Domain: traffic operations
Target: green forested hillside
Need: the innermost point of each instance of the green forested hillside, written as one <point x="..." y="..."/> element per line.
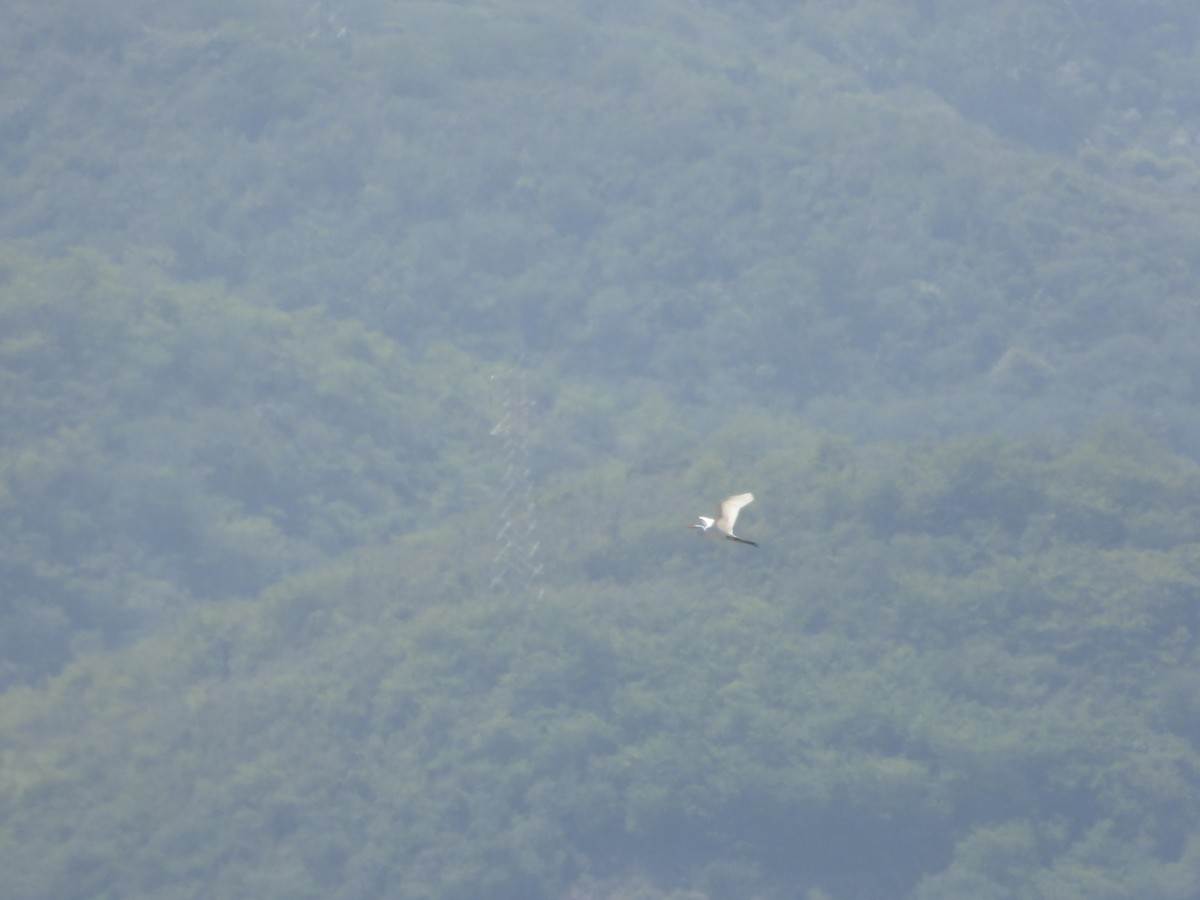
<point x="170" y="443"/>
<point x="361" y="361"/>
<point x="970" y="673"/>
<point x="880" y="204"/>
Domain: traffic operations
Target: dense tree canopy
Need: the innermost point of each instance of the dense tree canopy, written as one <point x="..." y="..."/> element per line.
<point x="360" y="362"/>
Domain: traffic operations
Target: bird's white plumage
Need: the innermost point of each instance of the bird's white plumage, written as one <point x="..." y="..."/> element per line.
<point x="729" y="509"/>
<point x="727" y="513"/>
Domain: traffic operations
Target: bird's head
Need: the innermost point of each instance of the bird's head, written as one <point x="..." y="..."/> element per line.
<point x="704" y="524"/>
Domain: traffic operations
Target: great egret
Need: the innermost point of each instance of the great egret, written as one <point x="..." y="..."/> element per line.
<point x="727" y="513"/>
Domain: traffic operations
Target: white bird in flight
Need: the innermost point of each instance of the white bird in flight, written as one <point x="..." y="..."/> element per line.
<point x="727" y="513"/>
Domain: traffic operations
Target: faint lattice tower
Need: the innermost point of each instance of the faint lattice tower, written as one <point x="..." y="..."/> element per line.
<point x="517" y="568"/>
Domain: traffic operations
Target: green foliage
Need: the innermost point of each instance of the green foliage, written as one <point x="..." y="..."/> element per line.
<point x="921" y="275"/>
<point x="987" y="704"/>
<point x="855" y="208"/>
<point x="181" y="443"/>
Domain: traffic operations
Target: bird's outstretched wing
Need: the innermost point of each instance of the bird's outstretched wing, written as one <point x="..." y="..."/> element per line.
<point x="730" y="507"/>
